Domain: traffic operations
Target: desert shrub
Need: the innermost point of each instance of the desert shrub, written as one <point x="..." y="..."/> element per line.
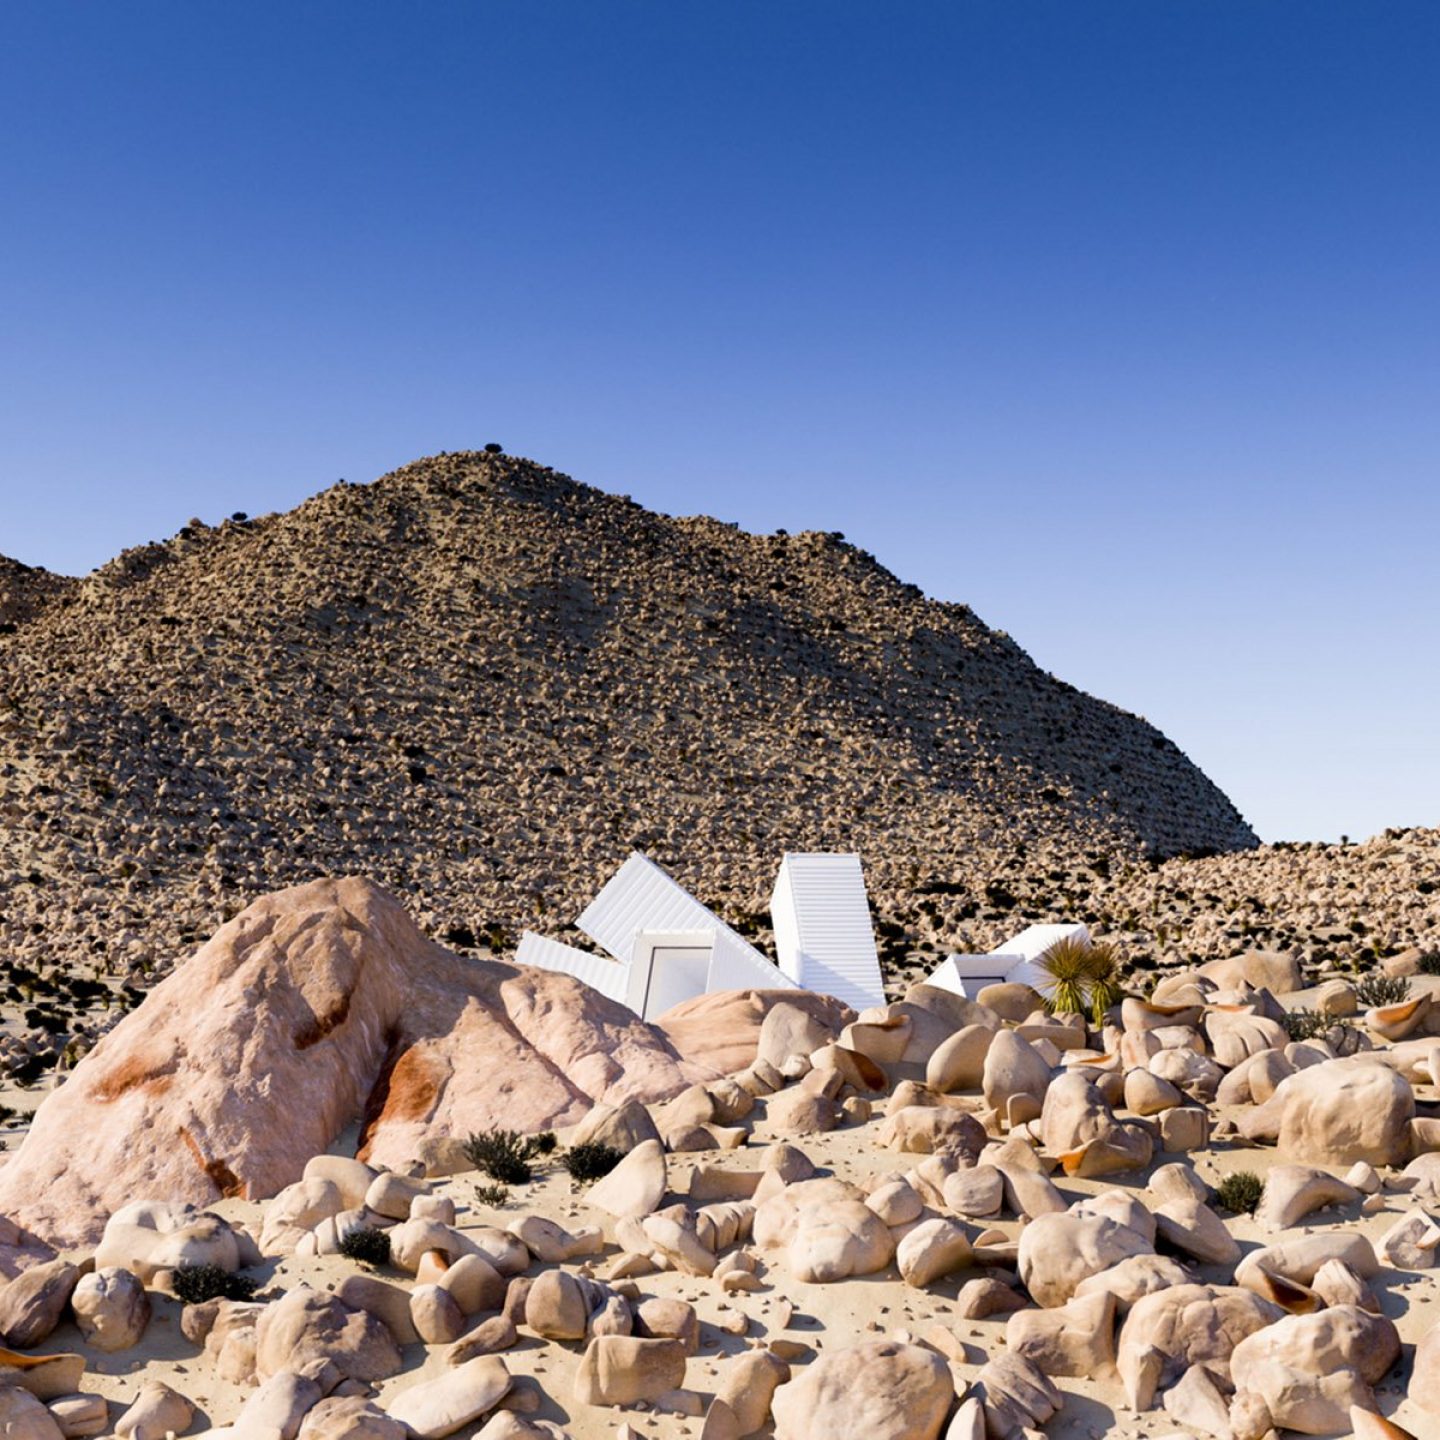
<point x="1240" y="1193"/>
<point x="1066" y="985"/>
<point x="1430" y="963"/>
<point x="1080" y="978"/>
<point x="1303" y="1024"/>
<point x="588" y="1162"/>
<point x="195" y="1284"/>
<point x="505" y="1155"/>
<point x="368" y="1245"/>
<point x="493" y="1195"/>
<point x="1105" y="988"/>
<point x="1376" y="990"/>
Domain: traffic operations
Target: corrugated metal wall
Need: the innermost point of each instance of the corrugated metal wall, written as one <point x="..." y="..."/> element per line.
<point x="823" y="931"/>
<point x="641" y="896"/>
<point x="609" y="977"/>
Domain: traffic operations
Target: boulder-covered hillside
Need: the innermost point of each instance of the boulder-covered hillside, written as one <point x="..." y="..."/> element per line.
<point x="481" y="684"/>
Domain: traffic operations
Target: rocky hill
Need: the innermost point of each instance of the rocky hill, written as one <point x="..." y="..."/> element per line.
<point x="482" y="684"/>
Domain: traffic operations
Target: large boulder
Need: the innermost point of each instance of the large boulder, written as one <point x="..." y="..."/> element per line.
<point x="450" y="1401"/>
<point x="1076" y="1339"/>
<point x="313" y="1006"/>
<point x="32" y="1303"/>
<point x="721" y="1031"/>
<point x="878" y="1390"/>
<point x="958" y="1063"/>
<point x="836" y="1239"/>
<point x="150" y="1236"/>
<point x="111" y="1308"/>
<point x="747" y="1385"/>
<point x="1425" y="1376"/>
<point x="1016" y="1396"/>
<point x="1274" y="970"/>
<point x="157" y="1411"/>
<point x="1190" y="1325"/>
<point x="622" y="1127"/>
<point x="636" y="1185"/>
<point x="350" y="1417"/>
<point x="1012" y="1067"/>
<point x="1293" y="1191"/>
<point x="306" y="1326"/>
<point x="1341" y="1111"/>
<point x="23" y="1417"/>
<point x="1078" y="1125"/>
<point x="1058" y="1251"/>
<point x="625" y="1369"/>
<point x="1310" y="1369"/>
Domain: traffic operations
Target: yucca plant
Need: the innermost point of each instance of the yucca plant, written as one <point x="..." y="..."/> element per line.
<point x="1082" y="979"/>
<point x="1066" y="987"/>
<point x="1105" y="987"/>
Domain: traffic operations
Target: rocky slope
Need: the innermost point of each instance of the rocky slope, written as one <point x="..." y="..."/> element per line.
<point x="482" y="684"/>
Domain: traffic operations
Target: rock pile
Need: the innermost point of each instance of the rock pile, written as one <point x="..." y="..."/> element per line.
<point x="314" y="1008"/>
<point x="1021" y="1196"/>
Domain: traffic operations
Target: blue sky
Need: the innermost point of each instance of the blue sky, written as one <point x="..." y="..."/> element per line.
<point x="1118" y="321"/>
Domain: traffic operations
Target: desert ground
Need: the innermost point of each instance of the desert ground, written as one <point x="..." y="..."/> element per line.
<point x="801" y="1180"/>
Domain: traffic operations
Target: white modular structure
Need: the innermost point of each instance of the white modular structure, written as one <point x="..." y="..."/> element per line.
<point x="599" y="972"/>
<point x="1017" y="961"/>
<point x="665" y="945"/>
<point x="668" y="966"/>
<point x="1032" y="944"/>
<point x="640" y="897"/>
<point x="968" y="975"/>
<point x="824" y="936"/>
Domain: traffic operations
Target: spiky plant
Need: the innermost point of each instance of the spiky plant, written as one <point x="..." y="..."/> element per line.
<point x="1103" y="970"/>
<point x="1082" y="979"/>
<point x="1066" y="987"/>
<point x="1377" y="990"/>
<point x="1430" y="963"/>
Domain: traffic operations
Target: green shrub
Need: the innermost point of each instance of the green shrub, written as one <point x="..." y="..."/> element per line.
<point x="505" y="1155"/>
<point x="1081" y="979"/>
<point x="1240" y="1193"/>
<point x="1377" y="990"/>
<point x="1105" y="987"/>
<point x="1303" y="1024"/>
<point x="1430" y="963"/>
<point x="368" y="1245"/>
<point x="588" y="1162"/>
<point x="492" y="1195"/>
<point x="195" y="1284"/>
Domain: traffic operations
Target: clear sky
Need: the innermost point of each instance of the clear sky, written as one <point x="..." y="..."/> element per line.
<point x="1118" y="321"/>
